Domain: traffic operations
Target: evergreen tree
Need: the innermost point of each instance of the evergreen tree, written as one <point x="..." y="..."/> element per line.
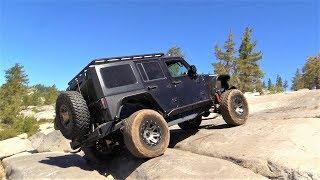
<point x="279" y="84"/>
<point x="285" y="85"/>
<point x="297" y="81"/>
<point x="51" y="95"/>
<point x="175" y="51"/>
<point x="270" y="85"/>
<point x="264" y="86"/>
<point x="226" y="60"/>
<point x="249" y="71"/>
<point x="12" y="92"/>
<point x="311" y="72"/>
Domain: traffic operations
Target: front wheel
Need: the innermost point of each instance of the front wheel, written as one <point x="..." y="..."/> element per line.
<point x="234" y="107"/>
<point x="146" y="134"/>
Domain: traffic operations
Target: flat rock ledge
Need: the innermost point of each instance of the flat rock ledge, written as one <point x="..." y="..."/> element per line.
<point x="49" y="165"/>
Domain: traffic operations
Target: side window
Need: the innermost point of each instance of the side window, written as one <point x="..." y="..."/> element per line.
<point x="176" y="69"/>
<point x="150" y="71"/>
<point x="141" y="70"/>
<point x="116" y="76"/>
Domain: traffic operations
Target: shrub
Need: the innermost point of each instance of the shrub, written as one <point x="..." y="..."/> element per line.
<point x="27" y="125"/>
<point x="21" y="125"/>
<point x="8" y="133"/>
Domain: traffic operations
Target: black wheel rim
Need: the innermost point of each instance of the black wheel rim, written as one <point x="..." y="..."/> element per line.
<point x="150" y="132"/>
<point x="238" y="105"/>
<point x="65" y="115"/>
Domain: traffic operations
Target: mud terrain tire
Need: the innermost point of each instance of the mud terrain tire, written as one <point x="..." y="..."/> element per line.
<point x="234" y="107"/>
<point x="192" y="124"/>
<point x="72" y="115"/>
<point x="146" y="134"/>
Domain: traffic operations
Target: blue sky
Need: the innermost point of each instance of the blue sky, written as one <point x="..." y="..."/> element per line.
<point x="55" y="39"/>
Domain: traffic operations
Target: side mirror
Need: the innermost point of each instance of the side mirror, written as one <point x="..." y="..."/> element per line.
<point x="192" y="72"/>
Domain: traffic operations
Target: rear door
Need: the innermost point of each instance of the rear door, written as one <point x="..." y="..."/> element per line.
<point x="157" y="83"/>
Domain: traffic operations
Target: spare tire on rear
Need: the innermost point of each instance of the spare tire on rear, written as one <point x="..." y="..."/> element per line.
<point x="72" y="115"/>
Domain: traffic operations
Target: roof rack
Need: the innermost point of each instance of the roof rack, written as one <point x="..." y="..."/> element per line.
<point x="142" y="56"/>
<point x="112" y="59"/>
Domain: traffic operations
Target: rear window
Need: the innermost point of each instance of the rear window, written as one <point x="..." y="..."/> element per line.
<point x="116" y="76"/>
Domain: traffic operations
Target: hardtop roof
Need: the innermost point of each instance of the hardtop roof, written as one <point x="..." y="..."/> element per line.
<point x="100" y="61"/>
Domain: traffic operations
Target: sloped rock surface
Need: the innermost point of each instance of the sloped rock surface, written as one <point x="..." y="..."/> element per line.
<point x="174" y="164"/>
<point x="279" y="141"/>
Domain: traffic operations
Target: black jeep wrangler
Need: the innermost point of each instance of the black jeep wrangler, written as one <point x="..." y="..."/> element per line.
<point x="134" y="99"/>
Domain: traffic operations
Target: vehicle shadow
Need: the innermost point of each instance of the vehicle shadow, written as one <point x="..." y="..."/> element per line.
<point x="178" y="135"/>
<point x="120" y="163"/>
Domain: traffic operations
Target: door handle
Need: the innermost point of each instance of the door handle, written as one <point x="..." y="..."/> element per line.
<point x="152" y="87"/>
<point x="176" y="82"/>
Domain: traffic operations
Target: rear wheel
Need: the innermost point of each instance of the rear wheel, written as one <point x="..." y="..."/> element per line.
<point x="193" y="124"/>
<point x="72" y="115"/>
<point x="146" y="134"/>
<point x="234" y="107"/>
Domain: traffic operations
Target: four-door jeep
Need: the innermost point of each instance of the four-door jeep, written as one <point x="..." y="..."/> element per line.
<point x="134" y="99"/>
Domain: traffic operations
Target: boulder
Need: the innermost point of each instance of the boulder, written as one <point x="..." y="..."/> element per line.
<point x="46" y="128"/>
<point x="54" y="141"/>
<point x="13" y="146"/>
<point x="27" y="112"/>
<point x="176" y="164"/>
<point x="23" y="136"/>
<point x="49" y="165"/>
<point x="44" y="115"/>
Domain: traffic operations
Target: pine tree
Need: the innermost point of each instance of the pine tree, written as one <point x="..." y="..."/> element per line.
<point x="297" y="82"/>
<point x="51" y="95"/>
<point x="12" y="92"/>
<point x="175" y="51"/>
<point x="311" y="72"/>
<point x="285" y="85"/>
<point x="279" y="84"/>
<point x="226" y="58"/>
<point x="264" y="86"/>
<point x="270" y="85"/>
<point x="248" y="68"/>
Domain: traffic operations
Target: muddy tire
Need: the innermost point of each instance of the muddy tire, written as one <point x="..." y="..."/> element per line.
<point x="193" y="124"/>
<point x="146" y="134"/>
<point x="234" y="107"/>
<point x="72" y="115"/>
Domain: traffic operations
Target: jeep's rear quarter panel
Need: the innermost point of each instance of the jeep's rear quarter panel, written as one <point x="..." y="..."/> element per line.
<point x="117" y="81"/>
